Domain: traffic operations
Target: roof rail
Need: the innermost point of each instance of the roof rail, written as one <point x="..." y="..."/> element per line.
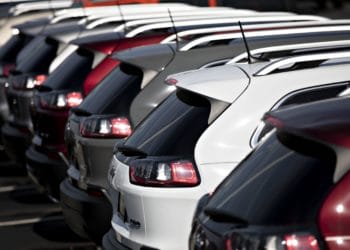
<point x="147" y="18"/>
<point x="274" y="32"/>
<point x="129" y="9"/>
<point x="275" y="65"/>
<point x="22" y="8"/>
<point x="294" y="48"/>
<point x="233" y="20"/>
<point x="163" y="13"/>
<point x="193" y="16"/>
<point x="248" y="27"/>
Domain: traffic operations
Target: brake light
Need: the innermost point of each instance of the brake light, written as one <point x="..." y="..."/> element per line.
<point x="171" y="81"/>
<point x="7" y="68"/>
<point x="61" y="100"/>
<point x="302" y="241"/>
<point x="36" y="81"/>
<point x="28" y="83"/>
<point x="166" y="174"/>
<point x="105" y="127"/>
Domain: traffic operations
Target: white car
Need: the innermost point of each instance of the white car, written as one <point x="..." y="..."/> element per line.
<point x="193" y="140"/>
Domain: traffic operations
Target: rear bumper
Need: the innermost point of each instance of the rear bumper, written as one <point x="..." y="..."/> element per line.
<point x="87" y="216"/>
<point x="45" y="172"/>
<point x="109" y="242"/>
<point x="15" y="142"/>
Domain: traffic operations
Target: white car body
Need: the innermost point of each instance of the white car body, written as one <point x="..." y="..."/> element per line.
<point x="165" y="214"/>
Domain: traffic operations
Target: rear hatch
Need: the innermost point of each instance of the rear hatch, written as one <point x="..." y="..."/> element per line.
<point x="112" y="98"/>
<point x="33" y="60"/>
<point x="52" y="100"/>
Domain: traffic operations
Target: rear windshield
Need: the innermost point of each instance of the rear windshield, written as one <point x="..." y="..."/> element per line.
<point x="72" y="72"/>
<point x="115" y="93"/>
<point x="9" y="51"/>
<point x="174" y="127"/>
<point x="37" y="56"/>
<point x="283" y="182"/>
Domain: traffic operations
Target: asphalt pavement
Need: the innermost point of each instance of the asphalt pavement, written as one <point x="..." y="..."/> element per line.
<point x="29" y="220"/>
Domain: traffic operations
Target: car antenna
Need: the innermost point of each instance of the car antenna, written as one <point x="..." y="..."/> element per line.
<point x="249" y="55"/>
<point x="174" y="28"/>
<point x="122" y="16"/>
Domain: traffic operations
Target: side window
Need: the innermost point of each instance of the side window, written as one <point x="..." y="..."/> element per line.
<point x="300" y="97"/>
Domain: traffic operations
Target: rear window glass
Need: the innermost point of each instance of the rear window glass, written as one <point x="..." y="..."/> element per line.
<point x="37" y="56"/>
<point x="277" y="184"/>
<point x="174" y="127"/>
<point x="115" y="93"/>
<point x="72" y="72"/>
<point x="9" y="51"/>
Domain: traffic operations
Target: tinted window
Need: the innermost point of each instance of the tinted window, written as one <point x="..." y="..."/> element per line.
<point x="174" y="127"/>
<point x="9" y="51"/>
<point x="115" y="93"/>
<point x="72" y="72"/>
<point x="277" y="185"/>
<point x="38" y="56"/>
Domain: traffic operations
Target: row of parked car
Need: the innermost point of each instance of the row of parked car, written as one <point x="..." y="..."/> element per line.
<point x="171" y="126"/>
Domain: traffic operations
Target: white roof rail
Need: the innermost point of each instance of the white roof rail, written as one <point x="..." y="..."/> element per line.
<point x="300" y="46"/>
<point x="274" y="32"/>
<point x="129" y="12"/>
<point x="270" y="68"/>
<point x="231" y="28"/>
<point x="225" y="20"/>
<point x="42" y="5"/>
<point x="178" y="19"/>
<point x="235" y="28"/>
<point x="147" y="18"/>
<point x="129" y="8"/>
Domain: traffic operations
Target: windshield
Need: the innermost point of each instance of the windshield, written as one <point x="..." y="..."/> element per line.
<point x="282" y="182"/>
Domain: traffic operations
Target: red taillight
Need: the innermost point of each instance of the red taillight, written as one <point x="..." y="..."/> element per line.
<point x="105" y="127"/>
<point x="39" y="80"/>
<point x="171" y="81"/>
<point x="302" y="241"/>
<point x="7" y="68"/>
<point x="32" y="82"/>
<point x="166" y="174"/>
<point x="74" y="99"/>
<point x="61" y="100"/>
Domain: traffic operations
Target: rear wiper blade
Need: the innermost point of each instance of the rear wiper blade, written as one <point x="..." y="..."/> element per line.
<point x="223" y="216"/>
<point x="128" y="151"/>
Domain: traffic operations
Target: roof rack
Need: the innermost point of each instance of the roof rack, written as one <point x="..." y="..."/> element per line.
<point x="294" y="48"/>
<point x="303" y="59"/>
<point x="147" y="18"/>
<point x="22" y="8"/>
<point x="127" y="9"/>
<point x="248" y="27"/>
<point x="224" y="21"/>
<point x="274" y="32"/>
